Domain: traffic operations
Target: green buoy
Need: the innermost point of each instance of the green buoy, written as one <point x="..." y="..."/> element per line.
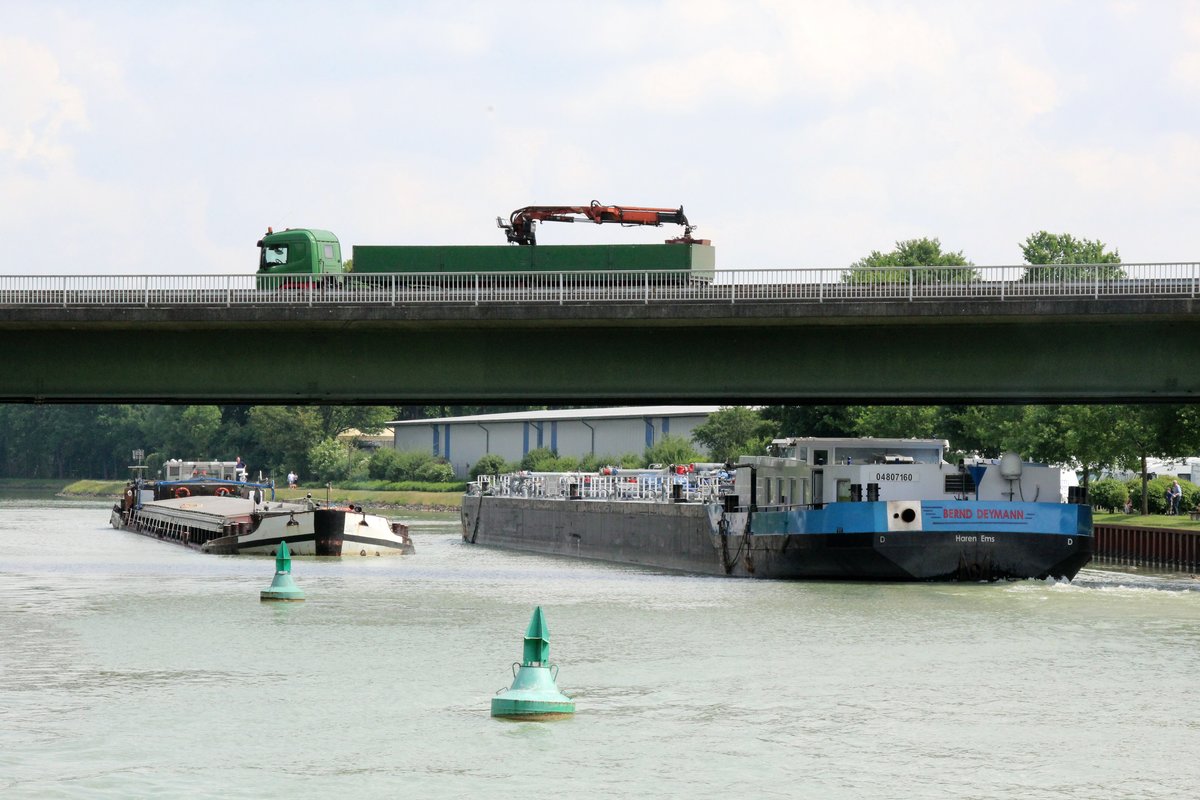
<point x="534" y="694"/>
<point x="283" y="588"/>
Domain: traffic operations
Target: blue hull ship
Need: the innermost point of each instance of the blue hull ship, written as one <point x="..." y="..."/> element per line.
<point x="822" y="509"/>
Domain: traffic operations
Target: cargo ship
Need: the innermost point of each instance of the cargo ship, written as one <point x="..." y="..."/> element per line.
<point x="212" y="506"/>
<point x="868" y="509"/>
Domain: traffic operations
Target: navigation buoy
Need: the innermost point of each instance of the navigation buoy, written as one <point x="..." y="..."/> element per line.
<point x="534" y="694"/>
<point x="283" y="588"/>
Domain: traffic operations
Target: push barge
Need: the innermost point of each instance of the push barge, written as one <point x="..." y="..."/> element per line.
<point x="814" y="508"/>
<point x="212" y="507"/>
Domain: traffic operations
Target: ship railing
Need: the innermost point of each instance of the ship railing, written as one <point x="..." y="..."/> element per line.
<point x="648" y="487"/>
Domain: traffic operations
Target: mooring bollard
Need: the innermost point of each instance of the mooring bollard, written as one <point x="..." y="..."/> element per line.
<point x="534" y="694"/>
<point x="283" y="588"/>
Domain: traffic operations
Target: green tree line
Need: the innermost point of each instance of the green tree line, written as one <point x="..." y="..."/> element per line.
<point x="97" y="441"/>
<point x="1048" y="257"/>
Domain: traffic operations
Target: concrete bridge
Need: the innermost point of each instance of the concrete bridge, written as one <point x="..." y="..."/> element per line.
<point x="563" y="339"/>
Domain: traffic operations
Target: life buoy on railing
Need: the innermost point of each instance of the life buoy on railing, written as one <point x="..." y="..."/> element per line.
<point x="183" y="491"/>
<point x="224" y="491"/>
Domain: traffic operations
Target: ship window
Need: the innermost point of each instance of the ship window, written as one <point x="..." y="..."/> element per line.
<point x="959" y="483"/>
<point x="843" y="490"/>
<point x="820" y="457"/>
<point x="329" y="251"/>
<point x="792" y="490"/>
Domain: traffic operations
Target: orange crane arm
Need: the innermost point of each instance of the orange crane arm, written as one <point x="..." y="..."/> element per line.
<point x="520" y="227"/>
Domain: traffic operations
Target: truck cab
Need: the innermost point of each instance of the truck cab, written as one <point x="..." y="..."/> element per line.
<point x="296" y="253"/>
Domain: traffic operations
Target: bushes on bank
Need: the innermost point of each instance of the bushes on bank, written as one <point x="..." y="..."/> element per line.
<point x="406" y="486"/>
<point x="672" y="450"/>
<point x="1109" y="494"/>
<point x="399" y="466"/>
<point x="1156" y="491"/>
<point x="490" y="464"/>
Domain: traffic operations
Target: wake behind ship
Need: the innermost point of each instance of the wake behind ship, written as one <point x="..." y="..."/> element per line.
<point x="825" y="509"/>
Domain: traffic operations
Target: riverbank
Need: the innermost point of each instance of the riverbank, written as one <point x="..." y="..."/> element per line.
<point x="372" y="500"/>
<point x="1181" y="521"/>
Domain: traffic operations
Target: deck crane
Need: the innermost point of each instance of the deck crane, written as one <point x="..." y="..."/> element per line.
<point x="519" y="229"/>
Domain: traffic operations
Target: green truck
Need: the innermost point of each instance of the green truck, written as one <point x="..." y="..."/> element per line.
<point x="301" y="254"/>
<point x="308" y="256"/>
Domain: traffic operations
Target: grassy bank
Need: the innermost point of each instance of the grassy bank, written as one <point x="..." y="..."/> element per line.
<point x="1182" y="521"/>
<point x="369" y="499"/>
<point x="37" y="485"/>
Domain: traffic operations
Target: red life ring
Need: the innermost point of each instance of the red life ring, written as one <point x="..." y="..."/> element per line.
<point x="183" y="491"/>
<point x="224" y="491"/>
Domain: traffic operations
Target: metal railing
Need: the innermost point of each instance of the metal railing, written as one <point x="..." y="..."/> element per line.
<point x="641" y="486"/>
<point x="903" y="284"/>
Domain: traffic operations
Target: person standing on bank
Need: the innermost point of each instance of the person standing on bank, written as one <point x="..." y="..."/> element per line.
<point x="1176" y="496"/>
<point x="292" y="478"/>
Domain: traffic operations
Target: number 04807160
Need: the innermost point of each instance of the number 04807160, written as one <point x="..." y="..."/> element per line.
<point x="903" y="477"/>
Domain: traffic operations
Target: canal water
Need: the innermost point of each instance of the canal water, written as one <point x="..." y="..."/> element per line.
<point x="135" y="668"/>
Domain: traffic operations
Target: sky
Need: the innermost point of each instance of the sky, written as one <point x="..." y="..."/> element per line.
<point x="164" y="137"/>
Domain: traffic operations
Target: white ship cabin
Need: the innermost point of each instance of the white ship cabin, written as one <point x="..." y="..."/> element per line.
<point x="815" y="471"/>
<point x="179" y="470"/>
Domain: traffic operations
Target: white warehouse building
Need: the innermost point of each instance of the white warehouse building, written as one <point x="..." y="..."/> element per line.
<point x="569" y="432"/>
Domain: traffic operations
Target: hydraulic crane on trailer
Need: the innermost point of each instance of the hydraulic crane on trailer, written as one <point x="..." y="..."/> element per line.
<point x="520" y="227"/>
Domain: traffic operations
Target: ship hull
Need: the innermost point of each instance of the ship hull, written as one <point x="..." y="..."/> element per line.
<point x="227" y="525"/>
<point x="858" y="541"/>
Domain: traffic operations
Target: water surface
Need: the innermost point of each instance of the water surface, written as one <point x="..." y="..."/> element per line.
<point x="134" y="668"/>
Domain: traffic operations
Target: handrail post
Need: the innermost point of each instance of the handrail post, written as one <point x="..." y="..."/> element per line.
<point x="911" y="277"/>
<point x="561" y="290"/>
<point x="646" y="286"/>
<point x="476" y="279"/>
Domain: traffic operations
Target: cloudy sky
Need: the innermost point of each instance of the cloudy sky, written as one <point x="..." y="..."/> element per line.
<point x="160" y="137"/>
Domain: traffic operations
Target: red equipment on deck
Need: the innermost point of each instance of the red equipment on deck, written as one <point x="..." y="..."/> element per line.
<point x="519" y="229"/>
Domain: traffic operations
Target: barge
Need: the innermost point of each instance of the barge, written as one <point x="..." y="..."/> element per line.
<point x="219" y="511"/>
<point x="813" y="508"/>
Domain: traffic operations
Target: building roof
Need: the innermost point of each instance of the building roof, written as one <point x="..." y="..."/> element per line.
<point x="622" y="412"/>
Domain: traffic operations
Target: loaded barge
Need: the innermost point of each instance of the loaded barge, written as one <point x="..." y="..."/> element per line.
<point x="814" y="508"/>
<point x="212" y="507"/>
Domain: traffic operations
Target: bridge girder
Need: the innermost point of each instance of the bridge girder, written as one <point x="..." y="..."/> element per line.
<point x="938" y="353"/>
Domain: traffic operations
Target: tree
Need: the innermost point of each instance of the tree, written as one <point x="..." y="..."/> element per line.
<point x="916" y="260"/>
<point x="733" y="431"/>
<point x="1155" y="431"/>
<point x="919" y="422"/>
<point x="988" y="431"/>
<point x="672" y="449"/>
<point x="489" y="464"/>
<point x="286" y="434"/>
<point x="336" y="420"/>
<point x="810" y="420"/>
<point x="1051" y="252"/>
<point x="199" y="426"/>
<point x="1088" y="436"/>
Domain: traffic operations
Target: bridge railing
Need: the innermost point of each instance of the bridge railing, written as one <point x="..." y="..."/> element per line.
<point x="905" y="284"/>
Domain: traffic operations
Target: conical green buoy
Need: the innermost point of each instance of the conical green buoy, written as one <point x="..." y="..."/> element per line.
<point x="534" y="694"/>
<point x="282" y="586"/>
